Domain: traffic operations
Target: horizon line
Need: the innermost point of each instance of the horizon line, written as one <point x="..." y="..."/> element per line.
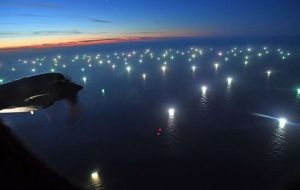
<point x="100" y="41"/>
<point x="88" y="42"/>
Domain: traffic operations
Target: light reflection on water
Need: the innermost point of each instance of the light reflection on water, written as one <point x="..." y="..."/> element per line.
<point x="228" y="95"/>
<point x="203" y="104"/>
<point x="172" y="138"/>
<point x="298" y="99"/>
<point x="95" y="182"/>
<point x="278" y="145"/>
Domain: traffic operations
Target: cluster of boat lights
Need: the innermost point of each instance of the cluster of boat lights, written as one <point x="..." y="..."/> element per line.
<point x="164" y="58"/>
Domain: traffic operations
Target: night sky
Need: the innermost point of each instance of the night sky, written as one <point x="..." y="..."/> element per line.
<point x="24" y="23"/>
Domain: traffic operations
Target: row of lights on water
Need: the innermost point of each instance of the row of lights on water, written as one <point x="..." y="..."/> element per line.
<point x="281" y="121"/>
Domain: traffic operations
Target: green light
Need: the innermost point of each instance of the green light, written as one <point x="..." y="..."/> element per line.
<point x="298" y="91"/>
<point x="52" y="70"/>
<point x="1" y="81"/>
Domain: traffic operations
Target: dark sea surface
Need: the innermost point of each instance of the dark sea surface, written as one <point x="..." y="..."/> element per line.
<point x="215" y="140"/>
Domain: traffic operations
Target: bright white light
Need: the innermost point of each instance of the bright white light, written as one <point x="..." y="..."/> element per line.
<point x="203" y="89"/>
<point x="128" y="68"/>
<point x="171" y="112"/>
<point x="113" y="66"/>
<point x="298" y="91"/>
<point x="144" y="76"/>
<point x="193" y="68"/>
<point x="84" y="79"/>
<point x="216" y="65"/>
<point x="18" y="110"/>
<point x="282" y="122"/>
<point x="269" y="72"/>
<point x="229" y="80"/>
<point x="95" y="175"/>
<point x="103" y="91"/>
<point x="163" y="68"/>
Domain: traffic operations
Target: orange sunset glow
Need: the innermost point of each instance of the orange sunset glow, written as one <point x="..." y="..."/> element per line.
<point x="85" y="39"/>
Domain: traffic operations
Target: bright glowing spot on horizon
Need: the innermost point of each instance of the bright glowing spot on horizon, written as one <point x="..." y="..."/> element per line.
<point x="144" y="76"/>
<point x="282" y="122"/>
<point x="269" y="72"/>
<point x="163" y="68"/>
<point x="171" y="112"/>
<point x="298" y="91"/>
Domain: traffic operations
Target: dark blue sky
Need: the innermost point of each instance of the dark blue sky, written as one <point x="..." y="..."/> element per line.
<point x="45" y="21"/>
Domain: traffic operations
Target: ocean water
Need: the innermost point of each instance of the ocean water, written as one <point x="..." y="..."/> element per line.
<point x="120" y="135"/>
